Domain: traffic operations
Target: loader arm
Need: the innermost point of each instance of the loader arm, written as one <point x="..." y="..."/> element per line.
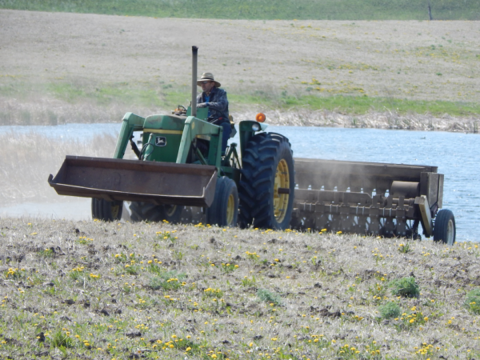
<point x="130" y="123"/>
<point x="196" y="128"/>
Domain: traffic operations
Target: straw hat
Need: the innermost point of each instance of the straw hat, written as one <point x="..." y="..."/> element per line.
<point x="208" y="77"/>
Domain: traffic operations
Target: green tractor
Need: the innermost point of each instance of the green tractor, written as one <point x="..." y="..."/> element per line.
<point x="180" y="165"/>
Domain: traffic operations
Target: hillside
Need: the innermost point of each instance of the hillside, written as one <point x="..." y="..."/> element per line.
<point x="65" y="67"/>
<point x="265" y="9"/>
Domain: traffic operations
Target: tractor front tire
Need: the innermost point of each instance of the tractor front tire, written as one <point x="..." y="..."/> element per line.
<point x="224" y="209"/>
<point x="267" y="183"/>
<point x="143" y="211"/>
<point x="106" y="210"/>
<point x="444" y="229"/>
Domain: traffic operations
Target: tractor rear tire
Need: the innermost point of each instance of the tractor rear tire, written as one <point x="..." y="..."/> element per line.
<point x="267" y="183"/>
<point x="106" y="210"/>
<point x="144" y="211"/>
<point x="224" y="209"/>
<point x="444" y="229"/>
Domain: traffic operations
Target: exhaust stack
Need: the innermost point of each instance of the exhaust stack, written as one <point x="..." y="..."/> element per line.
<point x="194" y="80"/>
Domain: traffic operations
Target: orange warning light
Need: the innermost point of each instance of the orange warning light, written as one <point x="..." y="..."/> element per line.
<point x="260" y="117"/>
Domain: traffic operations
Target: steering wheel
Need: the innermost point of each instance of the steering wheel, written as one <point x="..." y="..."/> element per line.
<point x="180" y="110"/>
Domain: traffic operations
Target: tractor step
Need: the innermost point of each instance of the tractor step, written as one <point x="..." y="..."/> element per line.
<point x="135" y="180"/>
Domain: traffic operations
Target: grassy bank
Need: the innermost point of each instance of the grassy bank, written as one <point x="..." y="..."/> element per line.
<point x="358" y="105"/>
<point x="263" y="9"/>
<point x="126" y="96"/>
<point x="168" y="96"/>
<point x="160" y="291"/>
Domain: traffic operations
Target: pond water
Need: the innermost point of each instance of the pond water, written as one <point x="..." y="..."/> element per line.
<point x="455" y="155"/>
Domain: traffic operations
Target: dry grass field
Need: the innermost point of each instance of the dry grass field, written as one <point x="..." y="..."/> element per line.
<point x="93" y="290"/>
<point x="65" y="67"/>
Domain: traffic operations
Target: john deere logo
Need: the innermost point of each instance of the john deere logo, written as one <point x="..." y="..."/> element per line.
<point x="161" y="141"/>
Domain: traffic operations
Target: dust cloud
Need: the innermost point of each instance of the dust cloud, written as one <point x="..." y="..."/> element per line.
<point x="28" y="159"/>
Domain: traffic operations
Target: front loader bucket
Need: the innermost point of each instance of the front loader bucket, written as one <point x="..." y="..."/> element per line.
<point x="134" y="180"/>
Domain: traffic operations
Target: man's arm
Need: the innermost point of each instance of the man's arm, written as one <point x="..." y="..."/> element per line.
<point x="200" y="103"/>
<point x="221" y="101"/>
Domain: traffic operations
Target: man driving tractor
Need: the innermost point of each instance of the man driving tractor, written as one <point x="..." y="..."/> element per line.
<point x="215" y="99"/>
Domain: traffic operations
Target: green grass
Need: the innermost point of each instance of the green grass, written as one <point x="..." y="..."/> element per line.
<point x="358" y="104"/>
<point x="263" y="9"/>
<point x="269" y="297"/>
<point x="363" y="104"/>
<point x="106" y="94"/>
<point x="162" y="96"/>
<point x="406" y="287"/>
<point x="472" y="301"/>
<point x="342" y="103"/>
<point x="169" y="97"/>
<point x="390" y="310"/>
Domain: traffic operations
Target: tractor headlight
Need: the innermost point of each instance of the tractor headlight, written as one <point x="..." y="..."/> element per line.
<point x="255" y="127"/>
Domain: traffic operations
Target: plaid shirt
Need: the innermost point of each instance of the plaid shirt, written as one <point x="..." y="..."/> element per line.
<point x="217" y="105"/>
